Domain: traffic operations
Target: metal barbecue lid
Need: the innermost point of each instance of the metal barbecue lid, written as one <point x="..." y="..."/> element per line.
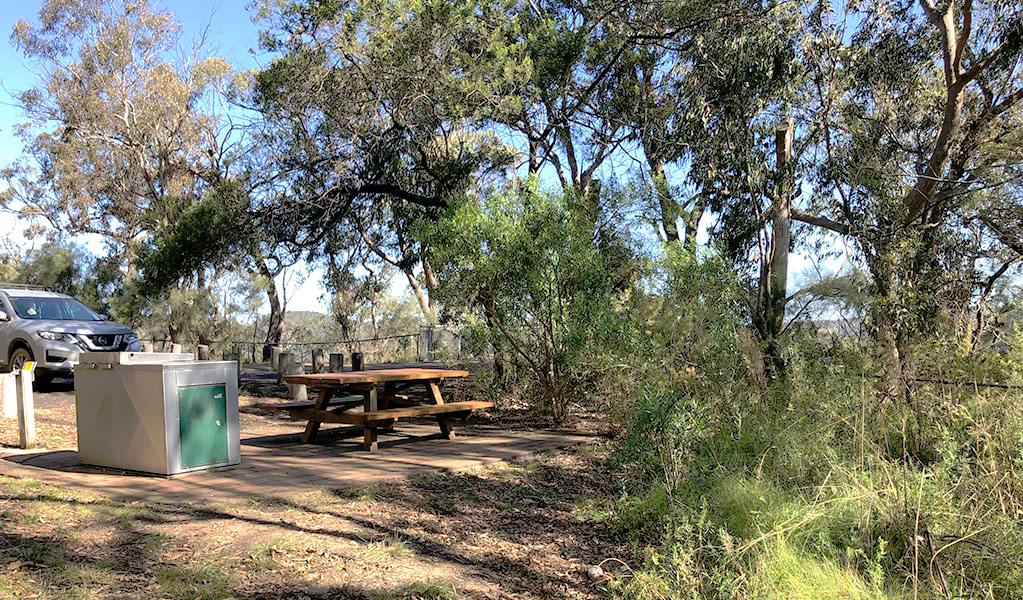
<point x="133" y="358"/>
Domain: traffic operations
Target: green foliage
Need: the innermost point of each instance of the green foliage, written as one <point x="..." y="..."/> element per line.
<point x="203" y="235"/>
<point x="524" y="271"/>
<point x="67" y="269"/>
<point x="804" y="489"/>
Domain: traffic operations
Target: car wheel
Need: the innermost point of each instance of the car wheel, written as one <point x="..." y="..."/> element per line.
<point x="19" y="357"/>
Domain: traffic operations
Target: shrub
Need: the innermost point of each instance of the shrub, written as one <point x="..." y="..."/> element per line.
<point x="522" y="270"/>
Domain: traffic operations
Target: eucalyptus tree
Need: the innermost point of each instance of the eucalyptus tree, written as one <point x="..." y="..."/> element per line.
<point x="371" y="108"/>
<point x="384" y="111"/>
<point x="123" y="128"/>
<point x="115" y="122"/>
<point x="919" y="107"/>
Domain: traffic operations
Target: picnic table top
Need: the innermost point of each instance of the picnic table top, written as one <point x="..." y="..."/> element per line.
<point x="373" y="376"/>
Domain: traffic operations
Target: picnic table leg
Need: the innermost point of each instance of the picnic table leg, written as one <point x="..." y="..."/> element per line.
<point x="369" y="440"/>
<point x="369" y="397"/>
<point x="313" y="426"/>
<point x="445" y="427"/>
<point x="433" y="391"/>
<point x="371" y="401"/>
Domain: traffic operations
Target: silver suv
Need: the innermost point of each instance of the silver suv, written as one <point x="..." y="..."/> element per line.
<point x="52" y="328"/>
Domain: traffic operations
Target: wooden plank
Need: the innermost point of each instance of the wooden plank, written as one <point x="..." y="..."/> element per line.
<point x="348" y="418"/>
<point x="427" y="409"/>
<point x="374" y="376"/>
<point x="391" y="414"/>
<point x="313" y="426"/>
<point x="398" y="400"/>
<point x="434" y="391"/>
<point x="285" y="406"/>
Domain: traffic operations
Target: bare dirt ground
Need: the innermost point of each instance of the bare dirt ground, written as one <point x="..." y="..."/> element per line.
<point x="524" y="530"/>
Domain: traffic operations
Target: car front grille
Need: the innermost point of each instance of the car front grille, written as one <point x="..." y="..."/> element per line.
<point x="104" y="340"/>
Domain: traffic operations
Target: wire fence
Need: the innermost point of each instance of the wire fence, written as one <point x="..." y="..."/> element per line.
<point x="430" y="344"/>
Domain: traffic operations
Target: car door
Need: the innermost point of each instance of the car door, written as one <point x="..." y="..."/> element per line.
<point x="6" y="327"/>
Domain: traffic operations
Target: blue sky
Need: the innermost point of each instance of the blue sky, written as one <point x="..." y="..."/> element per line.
<point x="231" y="30"/>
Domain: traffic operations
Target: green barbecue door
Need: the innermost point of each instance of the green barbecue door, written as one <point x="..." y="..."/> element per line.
<point x="202" y="418"/>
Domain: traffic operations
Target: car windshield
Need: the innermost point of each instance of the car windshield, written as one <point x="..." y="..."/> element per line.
<point x="60" y="309"/>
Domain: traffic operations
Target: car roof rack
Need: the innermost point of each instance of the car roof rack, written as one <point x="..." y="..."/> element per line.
<point x="25" y="286"/>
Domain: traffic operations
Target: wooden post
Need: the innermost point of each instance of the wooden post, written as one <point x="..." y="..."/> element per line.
<point x="26" y="408"/>
<point x="175" y="348"/>
<point x="296" y="391"/>
<point x="337" y="362"/>
<point x="319" y="360"/>
<point x="369" y="439"/>
<point x="275" y="357"/>
<point x="283" y="360"/>
<point x="357" y="362"/>
<point x="370" y="396"/>
<point x="202" y="352"/>
<point x="147" y="346"/>
<point x="238" y="359"/>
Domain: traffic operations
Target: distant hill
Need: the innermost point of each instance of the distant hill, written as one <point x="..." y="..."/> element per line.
<point x="309" y="326"/>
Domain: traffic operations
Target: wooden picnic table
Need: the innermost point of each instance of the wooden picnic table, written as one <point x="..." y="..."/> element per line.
<point x="379" y="410"/>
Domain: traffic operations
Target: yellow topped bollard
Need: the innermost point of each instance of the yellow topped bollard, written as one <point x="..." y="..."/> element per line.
<point x="26" y="408"/>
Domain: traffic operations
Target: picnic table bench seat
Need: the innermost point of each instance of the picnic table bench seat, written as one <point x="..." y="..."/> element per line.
<point x="380" y="411"/>
<point x="300" y="411"/>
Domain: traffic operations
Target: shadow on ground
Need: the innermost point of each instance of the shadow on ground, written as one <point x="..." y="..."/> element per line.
<point x="505" y="532"/>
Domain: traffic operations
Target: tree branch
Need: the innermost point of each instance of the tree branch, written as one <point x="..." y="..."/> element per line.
<point x="819" y="221"/>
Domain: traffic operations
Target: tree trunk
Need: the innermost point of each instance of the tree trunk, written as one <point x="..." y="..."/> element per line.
<point x="692" y="223"/>
<point x="429" y="311"/>
<point x="275" y="328"/>
<point x="776" y="278"/>
<point x="670" y="210"/>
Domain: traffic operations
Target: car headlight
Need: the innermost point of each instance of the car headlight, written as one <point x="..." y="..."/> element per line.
<point x="55" y="336"/>
<point x="131" y="338"/>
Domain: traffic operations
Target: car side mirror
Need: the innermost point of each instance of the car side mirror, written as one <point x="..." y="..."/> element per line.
<point x="104" y="317"/>
<point x="3" y="315"/>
